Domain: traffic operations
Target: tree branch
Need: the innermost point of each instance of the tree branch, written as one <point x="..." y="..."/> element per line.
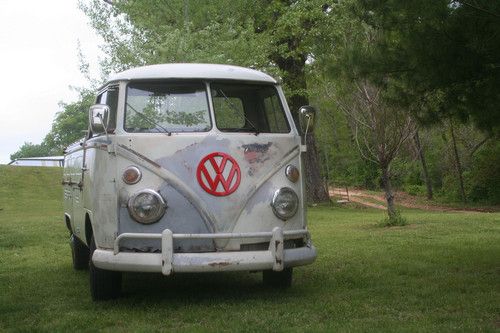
<point x="477" y="8"/>
<point x="478" y="145"/>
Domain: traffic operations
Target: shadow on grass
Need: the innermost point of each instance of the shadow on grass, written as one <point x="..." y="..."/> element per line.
<point x="201" y="288"/>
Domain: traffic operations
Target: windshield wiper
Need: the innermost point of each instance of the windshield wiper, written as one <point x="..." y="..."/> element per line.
<point x="236" y="111"/>
<point x="151" y="121"/>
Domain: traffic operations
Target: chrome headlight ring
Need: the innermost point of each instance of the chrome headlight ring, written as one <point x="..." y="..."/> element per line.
<point x="146" y="206"/>
<point x="285" y="203"/>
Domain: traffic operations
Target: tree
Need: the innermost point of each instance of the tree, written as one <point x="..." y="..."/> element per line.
<point x="442" y="56"/>
<point x="458" y="164"/>
<point x="275" y="36"/>
<point x="70" y="123"/>
<point x="421" y="157"/>
<point x="379" y="129"/>
<point x="379" y="132"/>
<point x="29" y="149"/>
<point x="484" y="175"/>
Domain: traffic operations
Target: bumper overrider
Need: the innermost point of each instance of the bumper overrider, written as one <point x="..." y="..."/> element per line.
<point x="275" y="258"/>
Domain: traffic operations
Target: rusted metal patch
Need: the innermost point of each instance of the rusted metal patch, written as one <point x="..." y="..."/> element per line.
<point x="219" y="263"/>
<point x="256" y="153"/>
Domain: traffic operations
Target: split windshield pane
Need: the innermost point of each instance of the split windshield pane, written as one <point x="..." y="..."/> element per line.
<point x="241" y="107"/>
<point x="154" y="107"/>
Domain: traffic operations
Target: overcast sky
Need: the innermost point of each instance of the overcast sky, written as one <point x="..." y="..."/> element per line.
<point x="38" y="64"/>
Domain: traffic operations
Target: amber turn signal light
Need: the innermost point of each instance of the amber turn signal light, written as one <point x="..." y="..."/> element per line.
<point x="292" y="173"/>
<point x="131" y="175"/>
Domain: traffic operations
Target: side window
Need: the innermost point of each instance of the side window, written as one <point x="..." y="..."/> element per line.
<point x="112" y="102"/>
<point x="101" y="98"/>
<point x="275" y="117"/>
<point x="229" y="112"/>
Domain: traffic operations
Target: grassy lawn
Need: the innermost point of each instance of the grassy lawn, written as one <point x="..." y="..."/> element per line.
<point x="440" y="273"/>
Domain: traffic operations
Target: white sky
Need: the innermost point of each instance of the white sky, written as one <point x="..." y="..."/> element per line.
<point x="38" y="63"/>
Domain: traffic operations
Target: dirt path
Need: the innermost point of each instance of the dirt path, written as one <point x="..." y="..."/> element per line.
<point x="355" y="196"/>
<point x="402" y="199"/>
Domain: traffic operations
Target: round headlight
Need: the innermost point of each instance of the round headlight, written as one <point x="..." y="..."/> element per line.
<point x="131" y="175"/>
<point x="146" y="206"/>
<point x="292" y="173"/>
<point x="285" y="203"/>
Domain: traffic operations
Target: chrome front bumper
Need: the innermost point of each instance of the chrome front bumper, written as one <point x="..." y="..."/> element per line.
<point x="167" y="262"/>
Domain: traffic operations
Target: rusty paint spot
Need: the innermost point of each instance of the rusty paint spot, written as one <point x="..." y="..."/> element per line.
<point x="256" y="153"/>
<point x="193" y="145"/>
<point x="219" y="263"/>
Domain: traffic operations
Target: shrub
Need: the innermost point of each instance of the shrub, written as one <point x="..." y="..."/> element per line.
<point x="396" y="220"/>
<point x="484" y="177"/>
<point x="415" y="189"/>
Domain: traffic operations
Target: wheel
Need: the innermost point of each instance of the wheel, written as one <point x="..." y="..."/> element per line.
<point x="104" y="284"/>
<point x="79" y="252"/>
<point x="281" y="279"/>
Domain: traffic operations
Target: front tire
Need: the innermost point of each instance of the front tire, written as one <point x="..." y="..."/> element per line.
<point x="104" y="285"/>
<point x="281" y="279"/>
<point x="79" y="253"/>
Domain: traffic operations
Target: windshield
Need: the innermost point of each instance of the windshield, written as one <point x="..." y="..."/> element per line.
<point x="154" y="107"/>
<point x="241" y="107"/>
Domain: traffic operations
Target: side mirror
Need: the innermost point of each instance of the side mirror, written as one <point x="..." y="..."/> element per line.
<point x="307" y="118"/>
<point x="98" y="118"/>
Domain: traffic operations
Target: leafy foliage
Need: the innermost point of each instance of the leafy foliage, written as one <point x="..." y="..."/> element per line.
<point x="483" y="177"/>
<point x="394" y="220"/>
<point x="436" y="60"/>
<point x="70" y="123"/>
<point x="29" y="149"/>
<point x="431" y="59"/>
<point x="439" y="58"/>
<point x="275" y="36"/>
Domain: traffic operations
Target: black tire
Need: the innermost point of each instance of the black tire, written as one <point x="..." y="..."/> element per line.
<point x="104" y="285"/>
<point x="281" y="279"/>
<point x="79" y="252"/>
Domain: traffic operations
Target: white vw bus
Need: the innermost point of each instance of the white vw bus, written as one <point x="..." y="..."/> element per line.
<point x="188" y="168"/>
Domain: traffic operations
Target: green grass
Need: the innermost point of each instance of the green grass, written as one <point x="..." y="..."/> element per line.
<point x="439" y="273"/>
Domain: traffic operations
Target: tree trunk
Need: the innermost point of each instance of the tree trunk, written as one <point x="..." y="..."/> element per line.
<point x="421" y="156"/>
<point x="457" y="163"/>
<point x="316" y="191"/>
<point x="295" y="78"/>
<point x="327" y="173"/>
<point x="389" y="196"/>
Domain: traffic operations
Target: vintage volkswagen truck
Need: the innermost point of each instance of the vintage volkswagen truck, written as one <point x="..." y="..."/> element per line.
<point x="188" y="168"/>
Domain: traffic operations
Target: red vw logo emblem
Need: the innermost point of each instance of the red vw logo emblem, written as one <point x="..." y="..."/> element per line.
<point x="218" y="174"/>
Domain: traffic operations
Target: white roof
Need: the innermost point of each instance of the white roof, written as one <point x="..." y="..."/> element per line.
<point x="193" y="71"/>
